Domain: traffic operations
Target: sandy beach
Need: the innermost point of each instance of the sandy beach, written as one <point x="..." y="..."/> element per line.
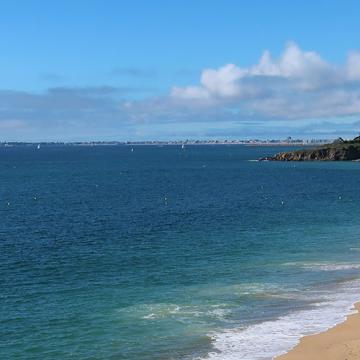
<point x="341" y="342"/>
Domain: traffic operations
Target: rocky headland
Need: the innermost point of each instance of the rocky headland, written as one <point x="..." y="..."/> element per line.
<point x="339" y="150"/>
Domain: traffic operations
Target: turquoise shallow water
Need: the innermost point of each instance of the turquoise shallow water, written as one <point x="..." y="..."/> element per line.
<point x="164" y="253"/>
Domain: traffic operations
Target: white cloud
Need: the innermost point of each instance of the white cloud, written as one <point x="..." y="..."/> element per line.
<point x="297" y="84"/>
<point x="190" y="92"/>
<point x="303" y="70"/>
<point x="224" y="81"/>
<point x="353" y="66"/>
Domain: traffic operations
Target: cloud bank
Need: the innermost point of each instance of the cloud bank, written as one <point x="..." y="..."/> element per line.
<point x="296" y="89"/>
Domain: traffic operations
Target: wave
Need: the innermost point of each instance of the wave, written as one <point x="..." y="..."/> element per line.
<point x="265" y="340"/>
<point x="255" y="289"/>
<point x="159" y="311"/>
<point x="319" y="266"/>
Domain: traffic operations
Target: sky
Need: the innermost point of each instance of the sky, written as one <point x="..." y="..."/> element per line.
<point x="191" y="69"/>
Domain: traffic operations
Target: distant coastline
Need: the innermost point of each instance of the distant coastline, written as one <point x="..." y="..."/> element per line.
<point x="251" y="142"/>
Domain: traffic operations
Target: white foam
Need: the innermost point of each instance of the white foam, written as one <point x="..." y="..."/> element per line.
<point x="265" y="340"/>
<point x="319" y="266"/>
<point x="336" y="267"/>
<point x="163" y="311"/>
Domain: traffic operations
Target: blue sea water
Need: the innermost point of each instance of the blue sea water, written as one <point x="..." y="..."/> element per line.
<point x="163" y="253"/>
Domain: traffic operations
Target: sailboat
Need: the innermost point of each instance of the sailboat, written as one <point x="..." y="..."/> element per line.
<point x="38" y="147"/>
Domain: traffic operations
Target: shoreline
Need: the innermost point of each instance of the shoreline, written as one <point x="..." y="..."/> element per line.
<point x="275" y="339"/>
<point x="337" y="343"/>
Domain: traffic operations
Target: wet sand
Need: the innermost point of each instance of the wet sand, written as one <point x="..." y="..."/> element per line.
<point x="341" y="342"/>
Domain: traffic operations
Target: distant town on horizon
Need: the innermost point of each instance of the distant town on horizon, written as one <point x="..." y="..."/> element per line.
<point x="271" y="142"/>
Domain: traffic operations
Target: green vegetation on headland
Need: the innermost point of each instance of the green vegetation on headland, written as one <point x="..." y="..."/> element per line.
<point x="339" y="150"/>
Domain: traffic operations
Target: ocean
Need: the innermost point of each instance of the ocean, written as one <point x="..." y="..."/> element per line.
<point x="163" y="253"/>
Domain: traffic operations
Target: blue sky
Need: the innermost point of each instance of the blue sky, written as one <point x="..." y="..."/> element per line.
<point x="119" y="70"/>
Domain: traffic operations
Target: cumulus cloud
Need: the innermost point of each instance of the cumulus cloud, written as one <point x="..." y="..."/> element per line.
<point x="302" y="70"/>
<point x="297" y="84"/>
